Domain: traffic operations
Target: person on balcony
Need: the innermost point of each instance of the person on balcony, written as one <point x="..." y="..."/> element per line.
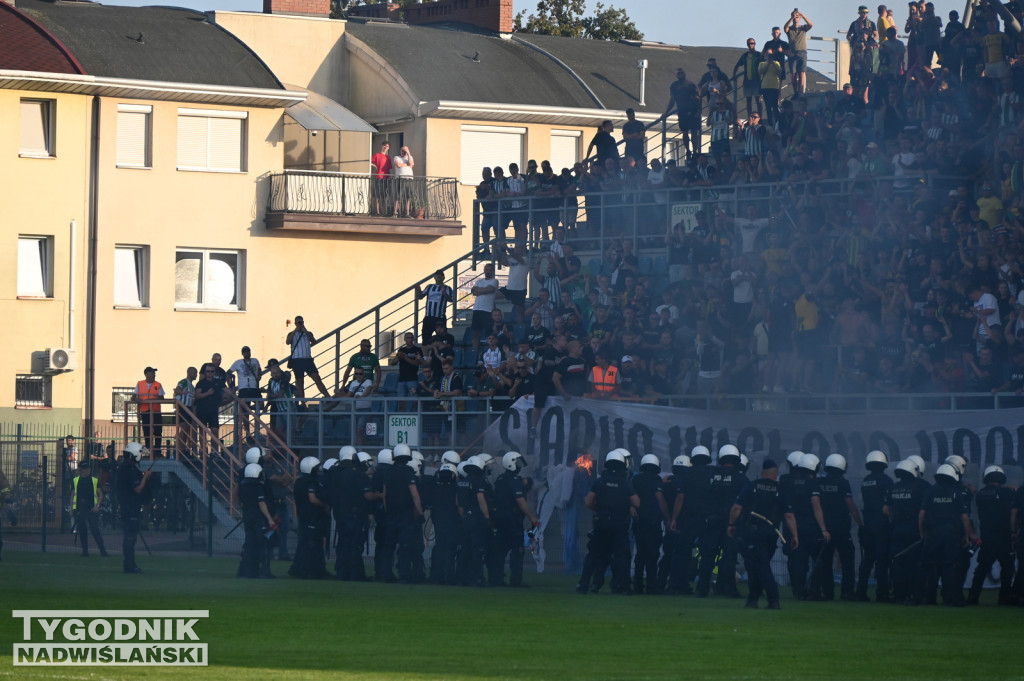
<point x="381" y="163"/>
<point x="402" y="165"/>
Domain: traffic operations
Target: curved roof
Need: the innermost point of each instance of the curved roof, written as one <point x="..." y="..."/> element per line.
<point x="27" y="46"/>
<point x="150" y="43"/>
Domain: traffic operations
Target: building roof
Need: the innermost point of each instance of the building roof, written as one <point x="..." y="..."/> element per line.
<point x="27" y="46"/>
<point x="150" y="43"/>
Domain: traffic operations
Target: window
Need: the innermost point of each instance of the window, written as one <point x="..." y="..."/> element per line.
<point x="32" y="390"/>
<point x="35" y="267"/>
<point x="212" y="141"/>
<point x="565" y="149"/>
<point x="131" y="271"/>
<point x="37" y="138"/>
<point x="134" y="126"/>
<point x="489" y="146"/>
<point x="209" y="280"/>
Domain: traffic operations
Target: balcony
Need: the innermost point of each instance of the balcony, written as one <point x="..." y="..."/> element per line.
<point x="349" y="203"/>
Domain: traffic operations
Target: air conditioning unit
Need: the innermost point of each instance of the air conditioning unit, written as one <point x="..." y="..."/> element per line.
<point x="60" y="359"/>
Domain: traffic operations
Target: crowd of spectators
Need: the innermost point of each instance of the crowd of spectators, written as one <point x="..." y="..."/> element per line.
<point x="879" y="250"/>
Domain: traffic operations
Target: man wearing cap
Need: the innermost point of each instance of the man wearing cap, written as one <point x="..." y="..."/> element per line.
<point x="147" y="394"/>
<point x="755" y="518"/>
<point x="248" y="371"/>
<point x="862" y="29"/>
<point x="86" y="497"/>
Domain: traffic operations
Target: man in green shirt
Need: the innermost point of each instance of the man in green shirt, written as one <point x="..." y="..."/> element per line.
<point x="367" y="361"/>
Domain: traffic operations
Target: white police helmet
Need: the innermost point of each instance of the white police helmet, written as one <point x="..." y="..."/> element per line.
<point x="346" y="453"/>
<point x="957" y="462"/>
<point x="947" y="471"/>
<point x="700" y="452"/>
<point x="512" y="461"/>
<point x="135" y="451"/>
<point x="650" y="460"/>
<point x="681" y="461"/>
<point x="385" y="457"/>
<point x="417" y="456"/>
<point x="461" y="468"/>
<point x="908" y="467"/>
<point x="364" y="458"/>
<point x="627" y="455"/>
<point x="877" y="457"/>
<point x="254" y="455"/>
<point x="486" y="460"/>
<point x="416" y="465"/>
<point x="836" y="462"/>
<point x="329" y="464"/>
<point x="744" y="462"/>
<point x="448" y="470"/>
<point x="794" y="458"/>
<point x="253" y="470"/>
<point x="452" y="457"/>
<point x="809" y="462"/>
<point x="994" y="474"/>
<point x="401" y="451"/>
<point x="919" y="462"/>
<point x="474" y="464"/>
<point x="308" y="464"/>
<point x="727" y="453"/>
<point x="616" y="456"/>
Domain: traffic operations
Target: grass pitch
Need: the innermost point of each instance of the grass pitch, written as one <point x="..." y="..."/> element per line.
<point x="287" y="629"/>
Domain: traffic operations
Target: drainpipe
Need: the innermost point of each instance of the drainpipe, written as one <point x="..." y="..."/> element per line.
<point x="72" y="288"/>
<point x="90" y="301"/>
<point x="642" y="65"/>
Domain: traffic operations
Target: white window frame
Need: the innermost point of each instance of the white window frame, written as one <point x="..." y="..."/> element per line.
<point x="140" y="260"/>
<point x="35" y="259"/>
<point x="203" y="303"/>
<point x="210" y="116"/>
<point x="48" y="109"/>
<point x="470" y="176"/>
<point x="128" y="136"/>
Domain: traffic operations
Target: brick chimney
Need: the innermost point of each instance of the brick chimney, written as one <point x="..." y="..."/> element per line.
<point x="309" y="8"/>
<point x="491" y="15"/>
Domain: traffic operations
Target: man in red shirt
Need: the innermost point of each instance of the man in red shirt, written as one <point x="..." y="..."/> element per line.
<point x="379" y="183"/>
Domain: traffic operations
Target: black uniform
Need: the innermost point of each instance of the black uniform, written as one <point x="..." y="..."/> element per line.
<point x="944" y="507"/>
<point x="255" y="554"/>
<point x="475" y="529"/>
<point x="833" y="490"/>
<point x="764" y="507"/>
<point x="128" y="478"/>
<point x="403" y="531"/>
<point x="444" y="514"/>
<point x="351" y="514"/>
<point x="379" y="524"/>
<point x="507" y="520"/>
<point x="309" y="554"/>
<point x="647" y="531"/>
<point x="724" y="485"/>
<point x="874" y="536"/>
<point x="669" y="489"/>
<point x="609" y="540"/>
<point x="800" y="488"/>
<point x="1018" y="578"/>
<point x="690" y="524"/>
<point x="904" y="502"/>
<point x="83" y="501"/>
<point x="994" y="503"/>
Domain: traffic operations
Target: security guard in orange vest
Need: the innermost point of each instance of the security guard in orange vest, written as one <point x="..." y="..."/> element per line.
<point x="604" y="377"/>
<point x="86" y="497"/>
<point x="147" y="392"/>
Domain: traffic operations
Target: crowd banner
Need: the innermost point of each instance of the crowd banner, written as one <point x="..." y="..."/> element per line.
<point x="566" y="429"/>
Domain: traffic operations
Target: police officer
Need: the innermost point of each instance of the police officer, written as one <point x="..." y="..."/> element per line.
<point x="669" y="490"/>
<point x="404" y="517"/>
<point x="257" y="520"/>
<point x="475" y="511"/>
<point x="510" y="508"/>
<point x="959" y="464"/>
<point x="86" y="497"/>
<point x="309" y="555"/>
<point x="255" y="455"/>
<point x="351" y="493"/>
<point x="994" y="502"/>
<point x="647" y="526"/>
<point x="902" y="505"/>
<point x="945" y="527"/>
<point x="323" y="492"/>
<point x="1016" y="520"/>
<point x="444" y="515"/>
<point x="835" y="498"/>
<point x="610" y="498"/>
<point x="132" y="494"/>
<point x="689" y="518"/>
<point x="385" y="460"/>
<point x="874" y="533"/>
<point x="724" y="485"/>
<point x="754" y="520"/>
<point x="810" y="524"/>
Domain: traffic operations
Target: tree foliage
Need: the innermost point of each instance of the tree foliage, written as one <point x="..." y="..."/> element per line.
<point x="565" y="18"/>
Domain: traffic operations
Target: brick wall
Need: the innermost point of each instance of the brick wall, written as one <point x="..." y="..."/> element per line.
<point x="314" y="8"/>
<point x="492" y="15"/>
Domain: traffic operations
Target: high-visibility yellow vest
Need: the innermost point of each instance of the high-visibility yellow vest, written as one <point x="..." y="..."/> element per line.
<point x="74" y="490"/>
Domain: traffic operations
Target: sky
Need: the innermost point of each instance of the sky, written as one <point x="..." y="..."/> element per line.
<point x="679" y="22"/>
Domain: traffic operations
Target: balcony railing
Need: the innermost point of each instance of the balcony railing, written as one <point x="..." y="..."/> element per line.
<point x="329" y="193"/>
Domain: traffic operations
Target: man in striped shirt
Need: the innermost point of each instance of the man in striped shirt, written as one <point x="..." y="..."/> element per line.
<point x="185" y="394"/>
<point x="301" y="340"/>
<point x="438" y="296"/>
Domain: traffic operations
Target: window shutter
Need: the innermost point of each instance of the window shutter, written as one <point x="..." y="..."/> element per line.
<point x="489" y="146"/>
<point x="565" y="149"/>
<point x="128" y="277"/>
<point x="226" y="143"/>
<point x="133" y="138"/>
<point x="192" y="142"/>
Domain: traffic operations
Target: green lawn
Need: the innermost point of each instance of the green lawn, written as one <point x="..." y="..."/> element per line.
<point x="287" y="629"/>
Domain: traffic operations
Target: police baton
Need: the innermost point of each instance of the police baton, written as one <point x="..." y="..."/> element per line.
<point x="770" y="524"/>
<point x="232" y="531"/>
<point x="907" y="549"/>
